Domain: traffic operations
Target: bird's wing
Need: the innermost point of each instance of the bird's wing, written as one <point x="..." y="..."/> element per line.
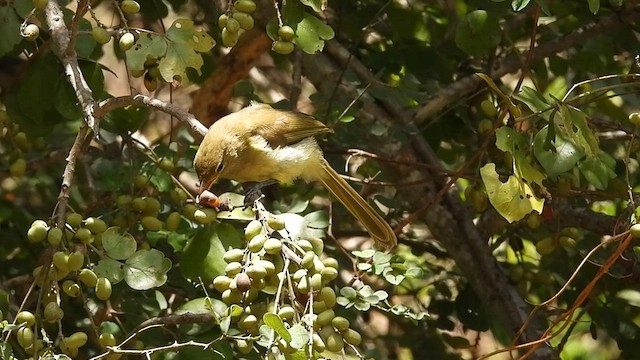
<point x="290" y="127"/>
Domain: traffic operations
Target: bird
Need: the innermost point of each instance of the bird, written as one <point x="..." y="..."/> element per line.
<point x="261" y="144"/>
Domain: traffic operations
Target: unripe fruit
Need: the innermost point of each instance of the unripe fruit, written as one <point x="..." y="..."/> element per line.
<point x="275" y="222"/>
<point x="140" y="181"/>
<point x="88" y="277"/>
<point x="75" y="261"/>
<point x="247" y="6"/>
<point x="340" y="323"/>
<point x="328" y="296"/>
<point x="21" y="141"/>
<point x="253" y="229"/>
<point x="60" y="260"/>
<point x="139" y="204"/>
<point x="315" y="282"/>
<point x="221" y="283"/>
<point x="26" y="318"/>
<point x="243" y="282"/>
<point x="256" y="272"/>
<point x="567" y="242"/>
<point x="488" y="108"/>
<point x="534" y="220"/>
<point x="635" y="230"/>
<point x="71" y="288"/>
<point x="634" y="118"/>
<point x="76" y="340"/>
<point x="303" y="285"/>
<point x="40" y="4"/>
<point x="37" y="232"/>
<point x="331" y="262"/>
<point x="233" y="255"/>
<point x="273" y="246"/>
<point x="335" y="343"/>
<point x="52" y="312"/>
<point x="352" y="337"/>
<point x="325" y="317"/>
<point x="268" y="266"/>
<point x="151" y="223"/>
<point x="230" y="297"/>
<point x="189" y="211"/>
<point x="244" y="346"/>
<point x="18" y="168"/>
<point x="173" y="221"/>
<point x="233" y="25"/>
<point x="485" y="126"/>
<point x="205" y="215"/>
<point x="248" y="322"/>
<point x="245" y="20"/>
<point x="74" y="220"/>
<point x="328" y="274"/>
<point x="307" y="260"/>
<point x="100" y="35"/>
<point x="84" y="235"/>
<point x="286" y="313"/>
<point x="233" y="268"/>
<point x="229" y="38"/>
<point x="167" y="165"/>
<point x="546" y="246"/>
<point x="130" y="6"/>
<point x="25" y="337"/>
<point x="222" y="20"/>
<point x="153" y="206"/>
<point x="571" y="232"/>
<point x="31" y="32"/>
<point x="283" y="47"/>
<point x="305" y="245"/>
<point x="318" y="343"/>
<point x="126" y="42"/>
<point x="107" y="339"/>
<point x="123" y="201"/>
<point x="97" y="226"/>
<point x="286" y="33"/>
<point x="257" y="242"/>
<point x="103" y="288"/>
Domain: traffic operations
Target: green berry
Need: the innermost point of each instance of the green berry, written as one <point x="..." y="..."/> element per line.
<point x="246" y="21"/>
<point x="100" y="35"/>
<point x="74" y="220"/>
<point x="18" y="168"/>
<point x="103" y="289"/>
<point x="286" y="33"/>
<point x="88" y="277"/>
<point x="126" y="42"/>
<point x="151" y="223"/>
<point x="233" y="255"/>
<point x="75" y="261"/>
<point x="130" y="6"/>
<point x="247" y="6"/>
<point x="31" y="32"/>
<point x="37" y="232"/>
<point x="229" y="38"/>
<point x="282" y="47"/>
<point x="25" y="317"/>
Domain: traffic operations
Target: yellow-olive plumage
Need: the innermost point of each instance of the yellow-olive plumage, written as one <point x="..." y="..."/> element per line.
<point x="259" y="143"/>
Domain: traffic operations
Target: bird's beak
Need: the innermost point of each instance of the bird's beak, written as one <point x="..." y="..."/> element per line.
<point x="205" y="185"/>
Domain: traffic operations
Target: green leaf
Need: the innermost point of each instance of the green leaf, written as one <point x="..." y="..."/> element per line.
<point x="598" y="170"/>
<point x="573" y="123"/>
<point x="239" y="213"/>
<point x="364" y="254"/>
<point x="478" y="32"/>
<point x="535" y="101"/>
<point x="518" y="5"/>
<point x="275" y="323"/>
<point x="311" y="34"/>
<point x="513" y="199"/>
<point x="118" y="246"/>
<point x="558" y="157"/>
<point x="146" y="269"/>
<point x="316" y="5"/>
<point x="110" y="269"/>
<point x="202" y="256"/>
<point x="317" y="219"/>
<point x="594" y="6"/>
<point x="348" y="292"/>
<point x="508" y="140"/>
<point x="299" y="336"/>
<point x="176" y="51"/>
<point x="381" y="258"/>
<point x="9" y="28"/>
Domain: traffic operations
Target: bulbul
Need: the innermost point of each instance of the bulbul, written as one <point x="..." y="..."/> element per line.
<point x="262" y="144"/>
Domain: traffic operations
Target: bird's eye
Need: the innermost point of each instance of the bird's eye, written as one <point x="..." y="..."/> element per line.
<point x="220" y="167"/>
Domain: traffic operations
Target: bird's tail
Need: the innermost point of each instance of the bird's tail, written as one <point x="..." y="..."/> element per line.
<point x="379" y="230"/>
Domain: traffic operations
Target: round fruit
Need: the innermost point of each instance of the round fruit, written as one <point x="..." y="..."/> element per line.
<point x="276" y="223"/>
<point x="328" y="295"/>
<point x="315" y="282"/>
<point x="307" y="260"/>
<point x="329" y="274"/>
<point x="567" y="242"/>
<point x="75" y="261"/>
<point x="268" y="266"/>
<point x="335" y="343"/>
<point x="233" y="255"/>
<point x="84" y="235"/>
<point x="205" y="215"/>
<point x="189" y="210"/>
<point x="31" y="32"/>
<point x="635" y="230"/>
<point x="233" y="25"/>
<point x="100" y="35"/>
<point x="173" y="221"/>
<point x="153" y="206"/>
<point x="140" y="181"/>
<point x="245" y="20"/>
<point x="25" y="337"/>
<point x="340" y="323"/>
<point x="167" y="165"/>
<point x="233" y="268"/>
<point x="534" y="220"/>
<point x="18" y="168"/>
<point x="97" y="226"/>
<point x="248" y="322"/>
<point x="221" y="283"/>
<point x="126" y="42"/>
<point x="488" y="108"/>
<point x="485" y="126"/>
<point x="229" y="38"/>
<point x="273" y="246"/>
<point x="222" y="20"/>
<point x="244" y="346"/>
<point x="130" y="6"/>
<point x="257" y="242"/>
<point x="107" y="339"/>
<point x="26" y="318"/>
<point x="352" y="337"/>
<point x="88" y="277"/>
<point x="151" y="223"/>
<point x="286" y="313"/>
<point x="37" y="232"/>
<point x="103" y="288"/>
<point x="60" y="261"/>
<point x="247" y="6"/>
<point x="325" y="317"/>
<point x="74" y="220"/>
<point x="123" y="201"/>
<point x="546" y="246"/>
<point x="243" y="282"/>
<point x="286" y="33"/>
<point x="282" y="47"/>
<point x="331" y="262"/>
<point x="634" y="118"/>
<point x="76" y="340"/>
<point x="256" y="272"/>
<point x="52" y="312"/>
<point x="139" y="204"/>
<point x="318" y="343"/>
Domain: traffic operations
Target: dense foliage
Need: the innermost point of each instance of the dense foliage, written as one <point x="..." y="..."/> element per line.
<point x="498" y="138"/>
